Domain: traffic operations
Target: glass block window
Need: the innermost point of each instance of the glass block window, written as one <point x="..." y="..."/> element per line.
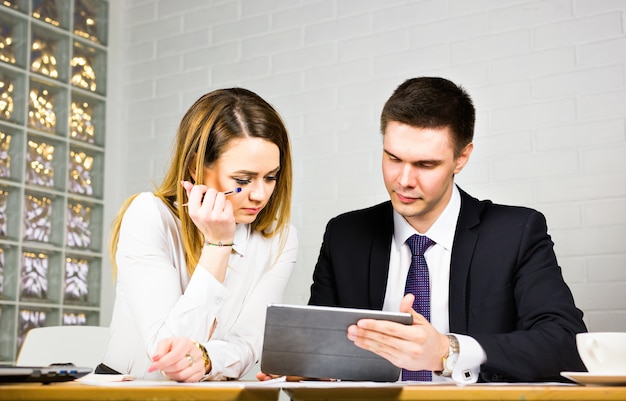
<point x="53" y="59"/>
<point x="1" y="271"/>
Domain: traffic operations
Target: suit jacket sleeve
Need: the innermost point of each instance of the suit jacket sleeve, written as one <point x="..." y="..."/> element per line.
<point x="351" y="270"/>
<point x="507" y="291"/>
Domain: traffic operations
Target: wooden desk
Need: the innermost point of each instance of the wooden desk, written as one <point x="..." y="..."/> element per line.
<point x="82" y="392"/>
<point x="454" y="393"/>
<point x="76" y="391"/>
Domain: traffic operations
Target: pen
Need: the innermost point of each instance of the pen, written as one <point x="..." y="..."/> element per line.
<point x="232" y="191"/>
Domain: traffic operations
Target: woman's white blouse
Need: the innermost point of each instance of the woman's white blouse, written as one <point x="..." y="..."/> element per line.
<point x="155" y="297"/>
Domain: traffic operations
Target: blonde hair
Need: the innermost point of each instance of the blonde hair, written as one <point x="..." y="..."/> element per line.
<point x="203" y="134"/>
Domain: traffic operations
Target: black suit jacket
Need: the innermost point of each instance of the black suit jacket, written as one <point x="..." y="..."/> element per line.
<point x="506" y="288"/>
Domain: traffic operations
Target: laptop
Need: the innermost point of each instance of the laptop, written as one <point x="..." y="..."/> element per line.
<point x="311" y="342"/>
<point x="41" y="374"/>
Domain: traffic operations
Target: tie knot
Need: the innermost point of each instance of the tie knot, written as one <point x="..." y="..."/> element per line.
<point x="419" y="244"/>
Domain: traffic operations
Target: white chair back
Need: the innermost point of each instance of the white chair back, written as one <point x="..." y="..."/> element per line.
<point x="81" y="345"/>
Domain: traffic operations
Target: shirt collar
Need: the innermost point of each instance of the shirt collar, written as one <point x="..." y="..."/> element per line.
<point x="442" y="231"/>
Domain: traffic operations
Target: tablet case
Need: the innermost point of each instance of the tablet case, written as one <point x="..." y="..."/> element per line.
<point x="311" y="341"/>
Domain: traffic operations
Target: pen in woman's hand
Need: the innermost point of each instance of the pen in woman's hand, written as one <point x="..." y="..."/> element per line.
<point x="232" y="191"/>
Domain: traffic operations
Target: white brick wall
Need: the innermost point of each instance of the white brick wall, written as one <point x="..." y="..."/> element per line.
<point x="547" y="77"/>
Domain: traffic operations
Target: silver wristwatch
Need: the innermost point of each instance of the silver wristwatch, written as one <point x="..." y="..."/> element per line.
<point x="450" y="359"/>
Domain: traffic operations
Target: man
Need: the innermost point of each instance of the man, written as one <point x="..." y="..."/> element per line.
<point x="495" y="285"/>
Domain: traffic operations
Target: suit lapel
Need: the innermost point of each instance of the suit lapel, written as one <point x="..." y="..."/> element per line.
<point x="379" y="257"/>
<point x="462" y="250"/>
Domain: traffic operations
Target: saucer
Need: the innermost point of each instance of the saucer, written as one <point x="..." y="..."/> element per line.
<point x="596" y="379"/>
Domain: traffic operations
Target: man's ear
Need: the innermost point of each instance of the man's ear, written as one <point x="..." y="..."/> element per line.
<point x="463" y="158"/>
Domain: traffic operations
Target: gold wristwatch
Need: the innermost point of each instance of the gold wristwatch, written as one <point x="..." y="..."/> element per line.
<point x="450" y="359"/>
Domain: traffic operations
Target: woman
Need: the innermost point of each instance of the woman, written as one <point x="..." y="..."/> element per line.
<point x="198" y="260"/>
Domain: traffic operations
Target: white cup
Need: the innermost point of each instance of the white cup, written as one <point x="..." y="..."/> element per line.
<point x="603" y="353"/>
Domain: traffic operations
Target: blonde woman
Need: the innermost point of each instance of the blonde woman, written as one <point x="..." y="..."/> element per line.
<point x="198" y="260"/>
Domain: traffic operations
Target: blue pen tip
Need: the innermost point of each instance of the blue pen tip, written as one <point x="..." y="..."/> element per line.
<point x="237" y="190"/>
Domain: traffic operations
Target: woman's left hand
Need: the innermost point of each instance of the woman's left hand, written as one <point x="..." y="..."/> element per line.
<point x="178" y="358"/>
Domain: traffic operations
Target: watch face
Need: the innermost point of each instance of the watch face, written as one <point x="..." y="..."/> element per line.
<point x="453" y="355"/>
<point x="451" y="361"/>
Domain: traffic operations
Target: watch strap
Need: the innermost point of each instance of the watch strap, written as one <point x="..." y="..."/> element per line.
<point x="452" y="350"/>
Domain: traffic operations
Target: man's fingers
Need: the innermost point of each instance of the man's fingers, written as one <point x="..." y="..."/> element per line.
<point x="406" y="305"/>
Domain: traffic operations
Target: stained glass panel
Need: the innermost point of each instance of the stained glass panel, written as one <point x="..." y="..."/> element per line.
<point x="76" y="279"/>
<point x="12" y="96"/>
<point x="83" y="71"/>
<point x="34" y="275"/>
<point x="37" y="220"/>
<point x="78" y="221"/>
<point x="7" y="104"/>
<point x="39" y="164"/>
<point x="54" y="12"/>
<point x="13" y="46"/>
<point x="10" y="218"/>
<point x="41" y="110"/>
<point x="10" y="3"/>
<point x="29" y="319"/>
<point x="1" y="272"/>
<point x="5" y="155"/>
<point x="90" y="20"/>
<point x="9" y="272"/>
<point x="74" y="318"/>
<point x="19" y="5"/>
<point x="43" y="60"/>
<point x="81" y="125"/>
<point x="4" y="196"/>
<point x="80" y="168"/>
<point x="8" y="320"/>
<point x="7" y="51"/>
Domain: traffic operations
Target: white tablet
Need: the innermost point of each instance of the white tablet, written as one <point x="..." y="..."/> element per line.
<point x="311" y="341"/>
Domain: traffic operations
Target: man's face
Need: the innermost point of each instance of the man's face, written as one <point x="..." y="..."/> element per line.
<point x="418" y="169"/>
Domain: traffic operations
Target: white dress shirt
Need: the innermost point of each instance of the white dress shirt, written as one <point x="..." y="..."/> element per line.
<point x="437" y="257"/>
<point x="156" y="299"/>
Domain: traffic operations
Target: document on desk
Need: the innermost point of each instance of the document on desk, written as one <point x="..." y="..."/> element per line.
<point x="283" y="383"/>
<point x="523" y="384"/>
<point x="100" y="380"/>
<point x="275" y="383"/>
<point x="94" y="378"/>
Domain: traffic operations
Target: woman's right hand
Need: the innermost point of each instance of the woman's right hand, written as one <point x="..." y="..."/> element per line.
<point x="178" y="358"/>
<point x="211" y="212"/>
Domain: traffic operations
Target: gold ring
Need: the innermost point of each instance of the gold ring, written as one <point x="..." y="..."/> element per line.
<point x="163" y="373"/>
<point x="189" y="358"/>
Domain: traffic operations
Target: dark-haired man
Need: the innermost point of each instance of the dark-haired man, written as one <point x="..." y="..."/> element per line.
<point x="499" y="307"/>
